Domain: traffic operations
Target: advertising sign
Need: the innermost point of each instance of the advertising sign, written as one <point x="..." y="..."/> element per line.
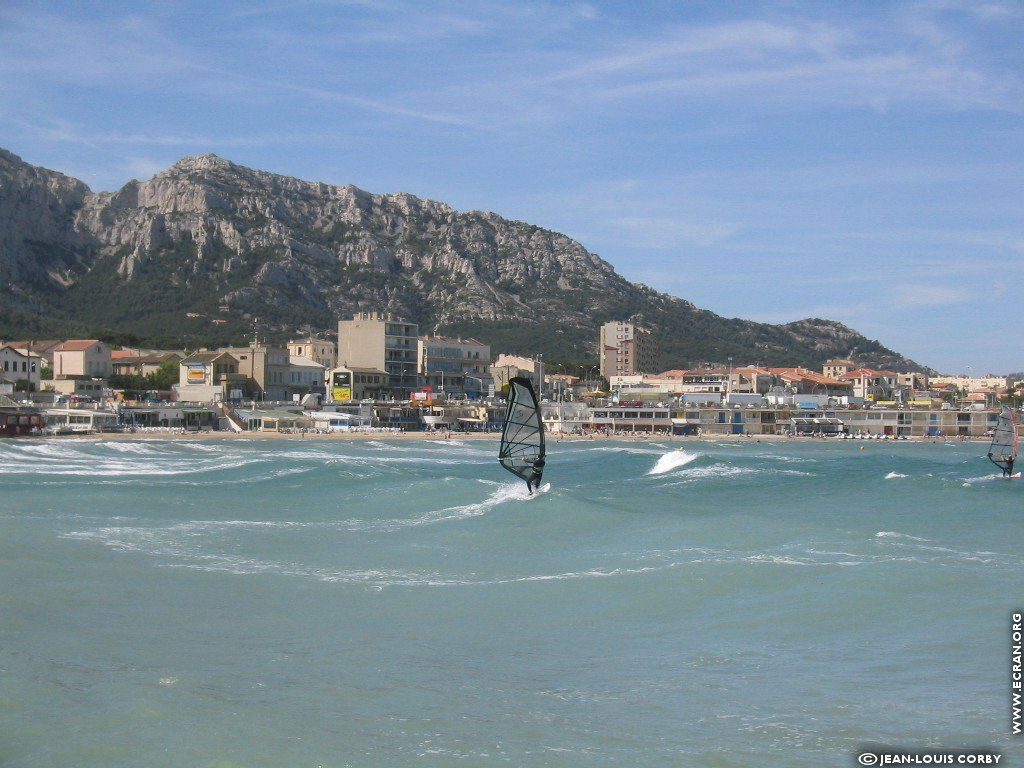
<point x="196" y="374"/>
<point x="341" y="386"/>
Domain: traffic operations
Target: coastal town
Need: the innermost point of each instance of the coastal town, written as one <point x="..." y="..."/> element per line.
<point x="383" y="375"/>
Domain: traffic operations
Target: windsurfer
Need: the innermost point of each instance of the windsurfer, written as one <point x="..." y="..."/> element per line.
<point x="538" y="470"/>
<point x="1008" y="469"/>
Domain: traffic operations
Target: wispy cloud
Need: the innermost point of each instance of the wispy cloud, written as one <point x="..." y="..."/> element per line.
<point x="930" y="295"/>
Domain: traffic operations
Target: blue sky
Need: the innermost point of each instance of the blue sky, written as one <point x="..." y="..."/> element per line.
<point x="773" y="160"/>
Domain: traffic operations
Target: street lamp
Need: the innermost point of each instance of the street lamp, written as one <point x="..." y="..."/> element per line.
<point x="476" y="378"/>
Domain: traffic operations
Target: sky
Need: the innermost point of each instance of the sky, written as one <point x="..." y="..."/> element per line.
<point x="862" y="162"/>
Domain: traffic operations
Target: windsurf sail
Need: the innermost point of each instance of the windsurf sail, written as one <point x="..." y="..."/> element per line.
<point x="522" y="436"/>
<point x="1003" y="451"/>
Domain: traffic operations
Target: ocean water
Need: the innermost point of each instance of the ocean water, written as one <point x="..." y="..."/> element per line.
<point x="235" y="602"/>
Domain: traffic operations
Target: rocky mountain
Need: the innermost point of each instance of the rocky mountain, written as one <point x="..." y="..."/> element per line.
<point x="201" y="250"/>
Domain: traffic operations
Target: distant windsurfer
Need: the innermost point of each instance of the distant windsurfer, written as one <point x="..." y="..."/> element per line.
<point x="1008" y="468"/>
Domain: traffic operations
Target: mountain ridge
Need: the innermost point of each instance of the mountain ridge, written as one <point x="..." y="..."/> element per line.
<point x="228" y="244"/>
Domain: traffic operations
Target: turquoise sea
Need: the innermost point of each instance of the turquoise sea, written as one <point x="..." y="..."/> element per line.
<point x="401" y="603"/>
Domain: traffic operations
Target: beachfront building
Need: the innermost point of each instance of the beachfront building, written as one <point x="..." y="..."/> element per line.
<point x="18" y="419"/>
<point x="626" y="349"/>
<point x="454" y="365"/>
<point x="629" y="418"/>
<point x="562" y="386"/>
<point x="70" y="421"/>
<point x="322" y="351"/>
<point x="837" y="367"/>
<point x="267" y="367"/>
<point x="506" y="367"/>
<point x="871" y="384"/>
<point x="562" y="417"/>
<point x="371" y="340"/>
<point x="81" y="357"/>
<point x="20" y="368"/>
<point x="210" y="377"/>
<point x="969" y="383"/>
<point x="306" y="377"/>
<point x="132" y="363"/>
<point x="351" y="383"/>
<point x="801" y="381"/>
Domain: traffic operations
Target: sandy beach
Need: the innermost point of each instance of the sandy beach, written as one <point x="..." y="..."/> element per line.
<point x="172" y="434"/>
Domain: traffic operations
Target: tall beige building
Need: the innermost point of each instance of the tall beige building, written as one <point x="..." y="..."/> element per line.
<point x="384" y="343"/>
<point x="626" y="349"/>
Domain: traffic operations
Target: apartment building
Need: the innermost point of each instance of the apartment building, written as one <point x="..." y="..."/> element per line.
<point x="626" y="349"/>
<point x="460" y="365"/>
<point x="381" y="342"/>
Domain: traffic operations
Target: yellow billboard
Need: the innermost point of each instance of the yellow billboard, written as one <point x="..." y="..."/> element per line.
<point x="341" y="386"/>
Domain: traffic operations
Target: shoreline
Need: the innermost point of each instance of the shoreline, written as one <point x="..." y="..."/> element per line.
<point x="171" y="434"/>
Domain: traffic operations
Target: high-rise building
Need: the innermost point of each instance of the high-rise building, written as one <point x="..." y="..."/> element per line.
<point x="626" y="349"/>
<point x="383" y="343"/>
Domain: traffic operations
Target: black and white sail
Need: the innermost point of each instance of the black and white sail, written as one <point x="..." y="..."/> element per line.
<point x="522" y="435"/>
<point x="1003" y="451"/>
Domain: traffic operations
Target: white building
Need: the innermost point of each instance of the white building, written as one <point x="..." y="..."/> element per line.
<point x="306" y="376"/>
<point x="18" y="366"/>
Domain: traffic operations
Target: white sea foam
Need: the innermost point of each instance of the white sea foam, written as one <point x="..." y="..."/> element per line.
<point x="672" y="460"/>
<point x="894" y="475"/>
<point x="983" y="479"/>
<point x="897" y="535"/>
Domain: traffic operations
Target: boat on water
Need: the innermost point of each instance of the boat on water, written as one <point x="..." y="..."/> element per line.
<point x="1005" y="442"/>
<point x="522" y="450"/>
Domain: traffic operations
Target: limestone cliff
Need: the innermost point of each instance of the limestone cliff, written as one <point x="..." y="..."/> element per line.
<point x="203" y="248"/>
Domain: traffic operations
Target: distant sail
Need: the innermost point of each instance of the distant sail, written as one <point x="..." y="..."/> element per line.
<point x="1003" y="451"/>
<point x="522" y="436"/>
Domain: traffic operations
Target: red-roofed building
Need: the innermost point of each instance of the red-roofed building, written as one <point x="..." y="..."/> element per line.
<point x="807" y="382"/>
<point x="41" y="348"/>
<point x="871" y="384"/>
<point x="81" y="357"/>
